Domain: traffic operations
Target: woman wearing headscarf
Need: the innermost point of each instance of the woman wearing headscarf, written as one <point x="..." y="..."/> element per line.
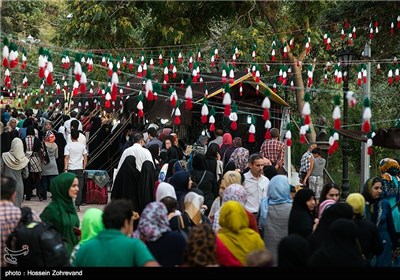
<point x="182" y="184"/>
<point x="379" y="212"/>
<point x="301" y="219"/>
<point x="33" y="148"/>
<point x="368" y="235"/>
<point x="240" y="157"/>
<point x="155" y="154"/>
<point x="293" y="251"/>
<point x="167" y="149"/>
<point x="6" y="141"/>
<point x="200" y="248"/>
<point x="49" y="170"/>
<point x="274" y="213"/>
<point x="204" y="180"/>
<point x="332" y="213"/>
<point x="229" y="178"/>
<point x="193" y="209"/>
<point x="213" y="162"/>
<point x="235" y="240"/>
<point x="339" y="248"/>
<point x="200" y="146"/>
<point x="178" y="145"/>
<point x="61" y="211"/>
<point x="92" y="224"/>
<point x="61" y="143"/>
<point x="390" y="170"/>
<point x="226" y="143"/>
<point x="153" y="229"/>
<point x="235" y="192"/>
<point x="14" y="164"/>
<point x="236" y="143"/>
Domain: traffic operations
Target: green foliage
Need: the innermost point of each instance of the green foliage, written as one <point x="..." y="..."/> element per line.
<point x="22" y="16"/>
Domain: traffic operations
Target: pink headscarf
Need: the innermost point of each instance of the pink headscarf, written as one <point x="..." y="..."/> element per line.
<point x="227" y="139"/>
<point x="325" y="205"/>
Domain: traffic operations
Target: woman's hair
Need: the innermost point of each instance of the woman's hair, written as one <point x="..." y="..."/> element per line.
<point x="171" y="203"/>
<point x="212" y="150"/>
<point x="325" y="189"/>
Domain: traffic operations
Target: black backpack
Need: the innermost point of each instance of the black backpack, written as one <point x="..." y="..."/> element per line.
<point x="35" y="244"/>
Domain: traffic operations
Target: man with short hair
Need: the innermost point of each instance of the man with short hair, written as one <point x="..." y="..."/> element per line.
<point x="153" y="139"/>
<point x="316" y="179"/>
<point x="9" y="213"/>
<point x="138" y="151"/>
<point x="113" y="246"/>
<point x="307" y="164"/>
<point x="82" y="137"/>
<point x="255" y="183"/>
<point x="67" y="124"/>
<point x="274" y="150"/>
<point x="218" y="137"/>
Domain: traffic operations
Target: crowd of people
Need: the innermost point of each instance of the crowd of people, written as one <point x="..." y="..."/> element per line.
<point x="213" y="203"/>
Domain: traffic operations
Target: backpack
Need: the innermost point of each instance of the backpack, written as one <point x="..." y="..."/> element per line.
<point x="35" y="244"/>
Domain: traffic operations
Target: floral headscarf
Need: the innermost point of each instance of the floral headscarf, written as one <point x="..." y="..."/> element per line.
<point x="388" y="165"/>
<point x="235" y="192"/>
<point x="240" y="157"/>
<point x="237" y="142"/>
<point x="49" y="137"/>
<point x="153" y="222"/>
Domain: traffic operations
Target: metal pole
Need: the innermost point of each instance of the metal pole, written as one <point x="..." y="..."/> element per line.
<point x="365" y="158"/>
<point x="345" y="143"/>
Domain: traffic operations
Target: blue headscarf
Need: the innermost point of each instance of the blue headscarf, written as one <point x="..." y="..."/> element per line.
<point x="278" y="193"/>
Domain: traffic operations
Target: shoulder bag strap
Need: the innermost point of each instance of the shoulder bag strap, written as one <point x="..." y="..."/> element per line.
<point x="202" y="177"/>
<point x="181" y="224"/>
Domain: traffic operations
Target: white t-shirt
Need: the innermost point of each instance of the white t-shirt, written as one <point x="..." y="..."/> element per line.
<point x="75" y="151"/>
<point x="81" y="139"/>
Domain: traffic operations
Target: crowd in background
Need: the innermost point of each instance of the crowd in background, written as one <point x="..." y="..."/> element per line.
<point x="211" y="203"/>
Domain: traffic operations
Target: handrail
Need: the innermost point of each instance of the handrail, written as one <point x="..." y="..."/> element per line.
<point x="102" y="148"/>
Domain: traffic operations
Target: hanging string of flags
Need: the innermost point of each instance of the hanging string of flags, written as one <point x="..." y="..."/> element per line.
<point x="111" y="90"/>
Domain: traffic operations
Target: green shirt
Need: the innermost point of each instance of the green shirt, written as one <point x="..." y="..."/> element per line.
<point x="112" y="248"/>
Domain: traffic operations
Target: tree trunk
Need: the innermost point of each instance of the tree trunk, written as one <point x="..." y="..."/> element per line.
<point x="269" y="10"/>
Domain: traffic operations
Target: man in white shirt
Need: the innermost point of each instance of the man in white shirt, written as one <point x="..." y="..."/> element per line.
<point x="141" y="154"/>
<point x="81" y="138"/>
<point x="67" y="124"/>
<point x="255" y="183"/>
<point x="75" y="161"/>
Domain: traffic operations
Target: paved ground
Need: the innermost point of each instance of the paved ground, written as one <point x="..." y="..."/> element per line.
<point x="38" y="206"/>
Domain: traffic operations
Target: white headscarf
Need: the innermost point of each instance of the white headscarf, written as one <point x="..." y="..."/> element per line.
<point x="164" y="190"/>
<point x="15" y="158"/>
